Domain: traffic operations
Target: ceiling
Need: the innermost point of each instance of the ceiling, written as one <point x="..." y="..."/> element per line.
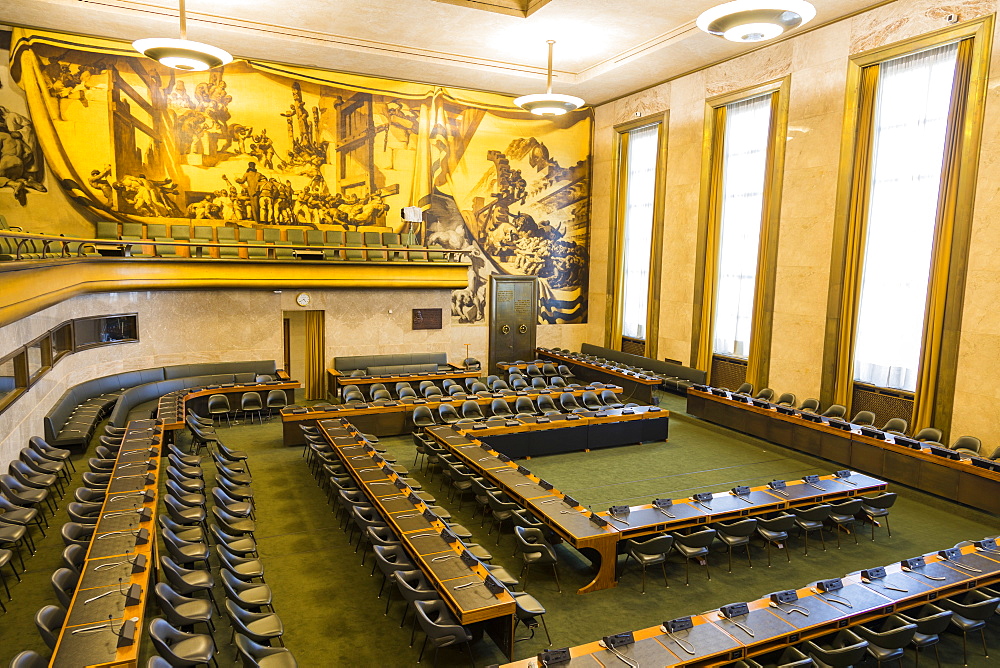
<point x="604" y="48"/>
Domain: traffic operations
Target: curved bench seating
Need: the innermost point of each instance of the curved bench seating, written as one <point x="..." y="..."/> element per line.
<point x="72" y="420"/>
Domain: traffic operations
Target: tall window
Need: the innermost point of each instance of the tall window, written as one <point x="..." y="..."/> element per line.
<point x="910" y="126"/>
<point x="641" y="152"/>
<point x="744" y="175"/>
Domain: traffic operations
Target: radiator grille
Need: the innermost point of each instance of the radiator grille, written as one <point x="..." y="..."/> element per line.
<point x="633" y="346"/>
<point x="885" y="404"/>
<point x="728" y="372"/>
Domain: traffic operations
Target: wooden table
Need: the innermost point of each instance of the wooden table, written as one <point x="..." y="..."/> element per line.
<point x="172" y="407"/>
<point x="956" y="480"/>
<point x="462" y="586"/>
<point x="391" y="418"/>
<point x="133" y="487"/>
<point x="335" y="379"/>
<point x="638" y="386"/>
<point x="717" y="641"/>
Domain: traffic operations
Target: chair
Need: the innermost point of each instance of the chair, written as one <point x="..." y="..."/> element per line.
<point x="649" y="553"/>
<point x="539" y="383"/>
<point x="846" y="650"/>
<point x="182" y="611"/>
<point x="745" y="388"/>
<point x="381" y="395"/>
<point x="480" y="389"/>
<point x="260" y="627"/>
<point x="471" y="410"/>
<point x="518" y="384"/>
<point x="533" y="371"/>
<point x="431" y="392"/>
<point x="49" y="621"/>
<point x="183" y="551"/>
<point x="737" y="534"/>
<point x="500" y="408"/>
<point x="844" y="515"/>
<point x="233" y="455"/>
<point x="535" y="550"/>
<point x="929" y="434"/>
<point x="187" y="581"/>
<point x="440" y="628"/>
<point x="407" y="392"/>
<point x="218" y="404"/>
<point x="251" y="403"/>
<point x="74" y="556"/>
<point x="766" y="394"/>
<point x="931" y="623"/>
<point x="247" y="594"/>
<point x="591" y="401"/>
<point x="812" y="519"/>
<point x="809" y="405"/>
<point x="569" y="403"/>
<point x="255" y="654"/>
<point x="895" y="426"/>
<point x="523" y="407"/>
<point x="448" y="414"/>
<point x="275" y="401"/>
<point x="74" y="533"/>
<point x="557" y="381"/>
<point x="694" y="546"/>
<point x="500" y="511"/>
<point x="888" y="643"/>
<point x="547" y="406"/>
<point x="970" y="612"/>
<point x="180" y="648"/>
<point x="967" y="445"/>
<point x="414" y="586"/>
<point x="389" y="559"/>
<point x="64" y="583"/>
<point x="422" y="417"/>
<point x="863" y="418"/>
<point x="84" y="513"/>
<point x="29" y="659"/>
<point x="610" y="399"/>
<point x="786" y="399"/>
<point x="835" y="411"/>
<point x="528" y="609"/>
<point x="549" y="370"/>
<point x="878" y="506"/>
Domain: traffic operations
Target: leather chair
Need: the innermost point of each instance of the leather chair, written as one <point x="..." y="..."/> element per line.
<point x="527" y="611"/>
<point x="844" y="515"/>
<point x="389" y="559"/>
<point x="185" y="552"/>
<point x="64" y="583"/>
<point x="878" y="507"/>
<point x="251" y="403"/>
<point x="84" y="513"/>
<point x="74" y="533"/>
<point x="501" y="510"/>
<point x="535" y="550"/>
<point x="276" y="400"/>
<point x="432" y="392"/>
<point x="569" y="403"/>
<point x="888" y="642"/>
<point x="791" y="657"/>
<point x="260" y="627"/>
<point x="835" y="411"/>
<point x="967" y="445"/>
<point x="929" y="434"/>
<point x="557" y="381"/>
<point x="402" y="384"/>
<point x="440" y="628"/>
<point x="812" y="519"/>
<point x="737" y="534"/>
<point x="74" y="556"/>
<point x="931" y="622"/>
<point x="414" y="586"/>
<point x="611" y="399"/>
<point x="180" y="648"/>
<point x="218" y="404"/>
<point x="24" y="496"/>
<point x="423" y="418"/>
<point x="895" y="426"/>
<point x="745" y="388"/>
<point x="456" y="389"/>
<point x="381" y="395"/>
<point x="255" y="654"/>
<point x="231" y="456"/>
<point x="50" y="452"/>
<point x="539" y="383"/>
<point x="775" y="530"/>
<point x="549" y="370"/>
<point x="649" y="553"/>
<point x="863" y="418"/>
<point x="480" y="389"/>
<point x="187" y="580"/>
<point x="523" y="407"/>
<point x="29" y="659"/>
<point x="500" y="408"/>
<point x="694" y="546"/>
<point x="49" y="622"/>
<point x="247" y="594"/>
<point x="448" y="414"/>
<point x="183" y="611"/>
<point x="970" y="612"/>
<point x="471" y="410"/>
<point x="786" y="399"/>
<point x="518" y="384"/>
<point x="193" y="534"/>
<point x="533" y="371"/>
<point x="591" y="401"/>
<point x="766" y="394"/>
<point x="547" y="406"/>
<point x="846" y="650"/>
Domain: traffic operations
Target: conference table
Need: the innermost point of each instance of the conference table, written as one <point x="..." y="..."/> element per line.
<point x="637" y="386"/>
<point x="106" y="615"/>
<point x="395" y="417"/>
<point x="335" y="379"/>
<point x="909" y="462"/>
<point x="714" y="639"/>
<point x="597" y="535"/>
<point x="172" y="407"/>
<point x="462" y="581"/>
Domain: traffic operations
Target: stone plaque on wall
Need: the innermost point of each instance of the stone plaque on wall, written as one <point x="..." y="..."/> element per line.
<point x="426" y="318"/>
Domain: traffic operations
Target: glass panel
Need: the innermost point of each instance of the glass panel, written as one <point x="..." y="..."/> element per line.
<point x="98" y="331"/>
<point x="61" y="341"/>
<point x="640" y="193"/>
<point x="8" y="381"/>
<point x="745" y="150"/>
<point x="911" y="122"/>
<point x="35" y="360"/>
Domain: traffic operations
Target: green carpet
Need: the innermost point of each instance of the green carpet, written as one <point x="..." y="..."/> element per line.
<point x="328" y="601"/>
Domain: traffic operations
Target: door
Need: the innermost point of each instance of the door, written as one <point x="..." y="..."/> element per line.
<point x="513" y="318"/>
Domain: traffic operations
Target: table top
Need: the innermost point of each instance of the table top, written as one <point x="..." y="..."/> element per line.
<point x="172" y="407"/>
<point x="453" y="372"/>
<point x="123" y="539"/>
<point x="714" y="639"/>
<point x="608" y="367"/>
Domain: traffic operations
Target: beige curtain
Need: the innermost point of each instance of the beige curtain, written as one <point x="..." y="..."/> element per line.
<point x="854" y="250"/>
<point x="937" y="289"/>
<point x="315" y="370"/>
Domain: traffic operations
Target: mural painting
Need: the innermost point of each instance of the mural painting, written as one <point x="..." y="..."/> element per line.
<point x="259" y="145"/>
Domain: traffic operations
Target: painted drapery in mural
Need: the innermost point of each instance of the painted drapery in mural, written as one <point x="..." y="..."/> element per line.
<point x="260" y="145"/>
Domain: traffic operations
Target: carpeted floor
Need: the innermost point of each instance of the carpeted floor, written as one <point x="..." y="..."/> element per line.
<point x="328" y="603"/>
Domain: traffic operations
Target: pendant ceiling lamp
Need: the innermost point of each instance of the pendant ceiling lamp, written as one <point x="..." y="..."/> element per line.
<point x="549" y="103"/>
<point x="182" y="54"/>
<point x="755" y="20"/>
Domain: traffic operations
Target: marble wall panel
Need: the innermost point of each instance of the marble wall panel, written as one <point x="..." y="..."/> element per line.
<point x="898" y="21"/>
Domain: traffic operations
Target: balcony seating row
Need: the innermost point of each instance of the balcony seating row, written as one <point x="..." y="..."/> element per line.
<point x="376" y="365"/>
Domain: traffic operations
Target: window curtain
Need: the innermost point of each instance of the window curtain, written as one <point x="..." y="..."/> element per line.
<point x="315" y="361"/>
<point x="744" y="175"/>
<point x="908" y="147"/>
<point x="642" y="149"/>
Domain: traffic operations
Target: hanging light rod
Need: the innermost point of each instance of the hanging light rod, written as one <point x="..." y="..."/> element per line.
<point x="549" y="103"/>
<point x="182" y="54"/>
<point x="755" y="20"/>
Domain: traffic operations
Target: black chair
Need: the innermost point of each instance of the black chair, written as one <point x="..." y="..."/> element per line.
<point x="28" y="659"/>
<point x="527" y="611"/>
<point x="970" y="612"/>
<point x="895" y="426"/>
<point x="74" y="533"/>
<point x="546" y="406"/>
<point x="448" y="414"/>
<point x="766" y="394"/>
<point x="835" y="411"/>
<point x="591" y="401"/>
<point x="649" y="553"/>
<point x="49" y="621"/>
<point x="422" y="417"/>
<point x="610" y="399"/>
<point x="888" y="642"/>
<point x="812" y="519"/>
<point x="251" y="403"/>
<point x="472" y="411"/>
<point x="845" y="650"/>
<point x="255" y="654"/>
<point x="967" y="445"/>
<point x="275" y="401"/>
<point x="535" y="550"/>
<point x="878" y="507"/>
<point x="928" y="434"/>
<point x="863" y="418"/>
<point x="500" y="408"/>
<point x="745" y="388"/>
<point x="694" y="546"/>
<point x="844" y="515"/>
<point x="931" y="622"/>
<point x="260" y="627"/>
<point x="569" y="403"/>
<point x="183" y="611"/>
<point x="180" y="648"/>
<point x="786" y="399"/>
<point x="247" y="594"/>
<point x="533" y="371"/>
<point x="737" y="534"/>
<point x="188" y="581"/>
<point x="218" y="405"/>
<point x="524" y="407"/>
<point x="440" y="628"/>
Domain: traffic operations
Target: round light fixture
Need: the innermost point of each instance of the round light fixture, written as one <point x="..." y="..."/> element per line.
<point x="549" y="103"/>
<point x="755" y="20"/>
<point x="182" y="54"/>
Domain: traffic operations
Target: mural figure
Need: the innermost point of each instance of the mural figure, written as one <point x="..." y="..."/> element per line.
<point x="21" y="165"/>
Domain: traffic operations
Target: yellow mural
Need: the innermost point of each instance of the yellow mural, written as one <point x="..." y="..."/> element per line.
<point x="257" y="144"/>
